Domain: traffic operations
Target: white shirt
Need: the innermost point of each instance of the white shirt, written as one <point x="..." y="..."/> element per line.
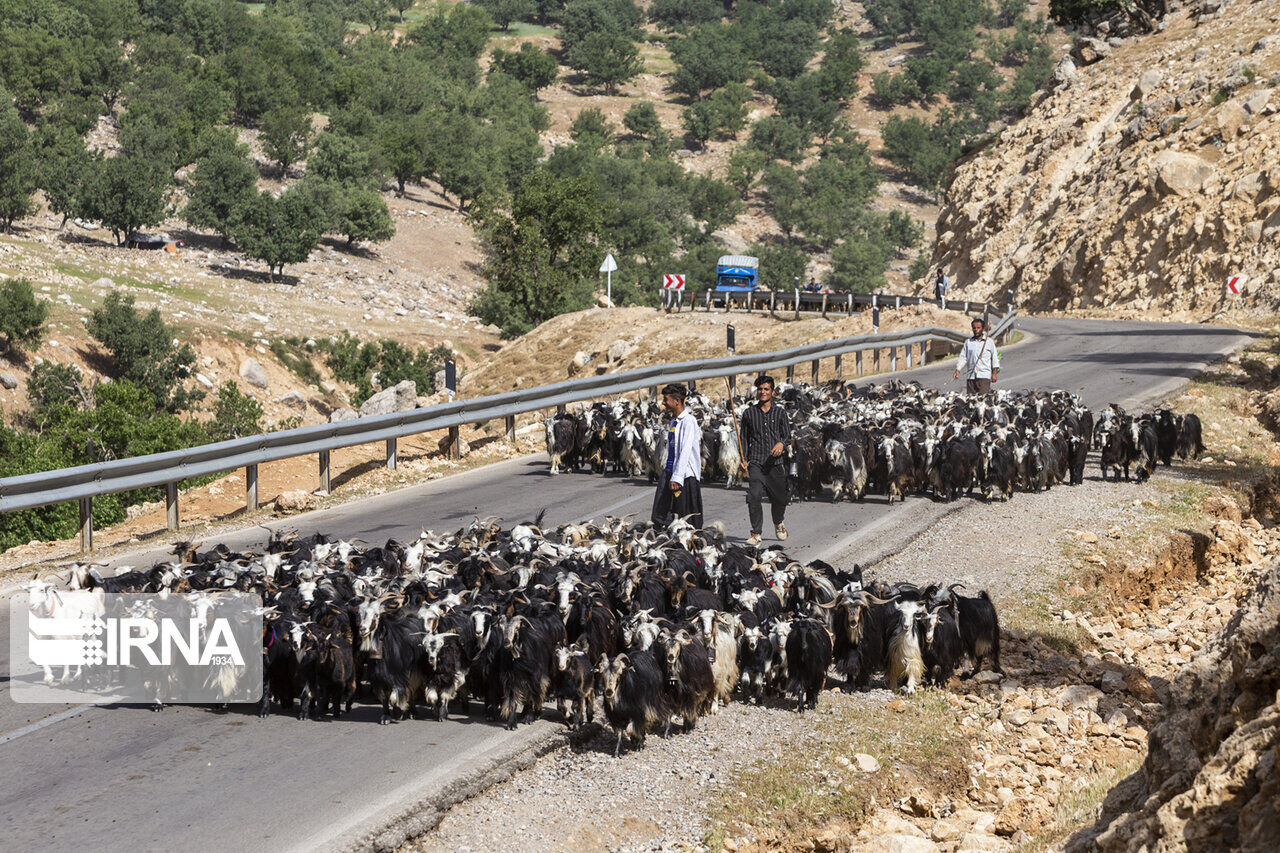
<point x="978" y="358"/>
<point x="944" y="285"/>
<point x="688" y="450"/>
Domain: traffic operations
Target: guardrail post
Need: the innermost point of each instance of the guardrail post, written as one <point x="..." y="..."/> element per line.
<point x="511" y="428"/>
<point x="693" y="386"/>
<point x="797" y="304"/>
<point x="966" y="306"/>
<point x="86" y="525"/>
<point x="875" y="360"/>
<point x="455" y="443"/>
<point x="849" y="307"/>
<point x="773" y="300"/>
<point x="708" y="300"/>
<point x="986" y="316"/>
<point x="816" y="363"/>
<point x="839" y="367"/>
<point x="897" y="302"/>
<point x="326" y="481"/>
<point x="791" y="373"/>
<point x="1010" y="302"/>
<point x="824" y="306"/>
<point x="250" y="488"/>
<point x="857" y="362"/>
<point x="560" y="409"/>
<point x="909" y="348"/>
<point x="893" y="359"/>
<point x="171" y="505"/>
<point x="924" y="353"/>
<point x="391" y="454"/>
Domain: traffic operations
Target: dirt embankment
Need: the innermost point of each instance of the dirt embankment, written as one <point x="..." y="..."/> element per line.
<point x="609" y="340"/>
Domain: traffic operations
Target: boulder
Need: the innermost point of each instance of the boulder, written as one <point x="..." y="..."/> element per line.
<point x="293" y="400"/>
<point x="1250" y="186"/>
<point x="1230" y="117"/>
<point x="342" y="415"/>
<point x="1147" y="83"/>
<point x="866" y="763"/>
<point x="618" y="350"/>
<point x="1087" y="51"/>
<point x="580" y="361"/>
<point x="1074" y="697"/>
<point x="8" y="380"/>
<point x="295" y="500"/>
<point x="204" y="380"/>
<point x="398" y="398"/>
<point x="1179" y="173"/>
<point x="251" y="371"/>
<point x="1065" y="71"/>
<point x="1256" y="104"/>
<point x="104" y="283"/>
<point x="464" y="447"/>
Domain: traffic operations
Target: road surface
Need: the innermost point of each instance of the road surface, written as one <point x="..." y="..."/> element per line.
<point x="116" y="777"/>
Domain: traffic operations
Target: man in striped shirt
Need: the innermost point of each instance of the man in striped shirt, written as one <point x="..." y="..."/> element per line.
<point x="766" y="432"/>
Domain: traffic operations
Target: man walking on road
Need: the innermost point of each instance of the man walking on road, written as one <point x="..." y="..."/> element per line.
<point x="941" y="286"/>
<point x="979" y="361"/>
<point x="766" y="432"/>
<point x="679" y="492"/>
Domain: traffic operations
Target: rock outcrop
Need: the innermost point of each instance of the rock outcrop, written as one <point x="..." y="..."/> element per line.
<point x="1144" y="180"/>
<point x="1211" y="780"/>
<point x="398" y="398"/>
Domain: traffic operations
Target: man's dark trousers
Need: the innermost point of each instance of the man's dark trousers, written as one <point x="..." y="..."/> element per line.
<point x="768" y="479"/>
<point x="978" y="386"/>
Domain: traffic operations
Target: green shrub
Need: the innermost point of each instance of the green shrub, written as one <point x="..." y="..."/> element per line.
<point x="921" y="264"/>
<point x="235" y="414"/>
<point x="144" y="351"/>
<point x="857" y="266"/>
<point x="22" y="316"/>
<point x="53" y="388"/>
<point x="392" y="361"/>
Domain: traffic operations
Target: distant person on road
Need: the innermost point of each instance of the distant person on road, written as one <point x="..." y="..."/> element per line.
<point x="941" y="287"/>
<point x="679" y="492"/>
<point x="979" y="361"/>
<point x="766" y="432"/>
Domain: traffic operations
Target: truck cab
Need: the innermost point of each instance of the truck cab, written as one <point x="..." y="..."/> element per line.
<point x="737" y="274"/>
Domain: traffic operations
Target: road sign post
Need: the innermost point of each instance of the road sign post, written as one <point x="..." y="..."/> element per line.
<point x="607" y="268"/>
<point x="672" y="289"/>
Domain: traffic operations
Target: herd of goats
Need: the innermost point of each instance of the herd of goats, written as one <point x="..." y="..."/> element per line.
<point x="893" y="440"/>
<point x="658" y="623"/>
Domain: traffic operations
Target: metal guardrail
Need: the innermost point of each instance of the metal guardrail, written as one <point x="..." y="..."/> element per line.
<point x="85" y="482"/>
<point x="800" y="300"/>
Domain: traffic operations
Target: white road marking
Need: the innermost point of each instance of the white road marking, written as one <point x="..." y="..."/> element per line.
<point x="46" y="722"/>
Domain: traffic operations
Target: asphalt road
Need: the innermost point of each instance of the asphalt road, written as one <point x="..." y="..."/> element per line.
<point x="115" y="777"/>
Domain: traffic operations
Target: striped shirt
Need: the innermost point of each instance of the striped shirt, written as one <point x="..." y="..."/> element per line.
<point x="761" y="430"/>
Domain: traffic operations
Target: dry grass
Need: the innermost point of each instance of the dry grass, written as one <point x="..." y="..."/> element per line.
<point x="1080" y="807"/>
<point x="814" y="783"/>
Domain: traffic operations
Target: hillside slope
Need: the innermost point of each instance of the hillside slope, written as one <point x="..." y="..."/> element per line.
<point x="1143" y="181"/>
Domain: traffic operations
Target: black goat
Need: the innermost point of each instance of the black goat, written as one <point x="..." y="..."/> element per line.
<point x="979" y="628"/>
<point x="634" y="701"/>
<point x="808" y="658"/>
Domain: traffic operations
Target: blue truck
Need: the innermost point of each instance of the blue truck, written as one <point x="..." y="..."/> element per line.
<point x="737" y="274"/>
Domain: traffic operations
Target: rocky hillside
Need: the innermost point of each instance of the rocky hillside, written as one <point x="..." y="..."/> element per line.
<point x="1143" y="181"/>
<point x="1210" y="781"/>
